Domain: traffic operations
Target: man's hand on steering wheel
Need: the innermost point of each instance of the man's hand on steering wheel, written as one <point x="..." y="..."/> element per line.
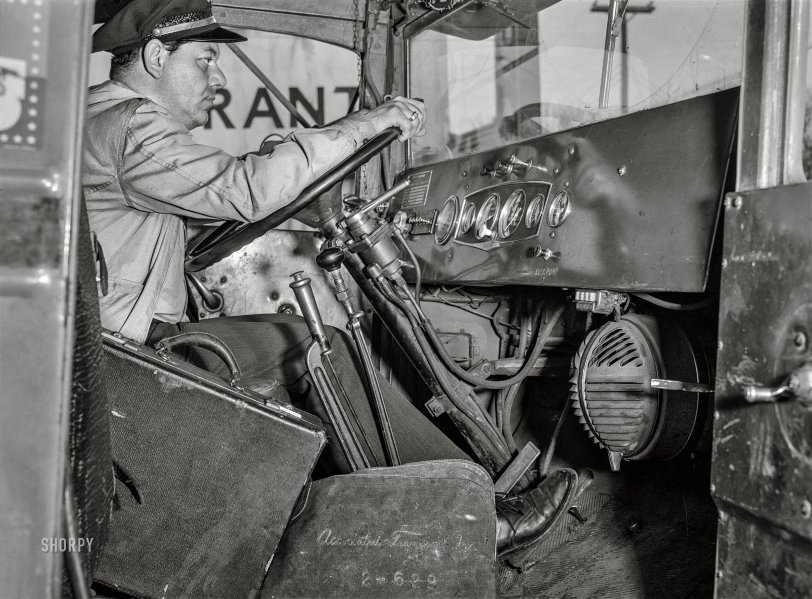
<point x="407" y="114"/>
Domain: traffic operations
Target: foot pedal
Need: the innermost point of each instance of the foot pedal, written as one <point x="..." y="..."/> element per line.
<point x="523" y="460"/>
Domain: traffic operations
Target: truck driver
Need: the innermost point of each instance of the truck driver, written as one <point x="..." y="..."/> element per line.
<point x="145" y="176"/>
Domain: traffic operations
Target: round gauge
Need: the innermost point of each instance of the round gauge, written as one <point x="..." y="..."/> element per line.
<point x="467" y="219"/>
<point x="486" y="218"/>
<point x="511" y="216"/>
<point x="559" y="209"/>
<point x="534" y="211"/>
<point x="444" y="226"/>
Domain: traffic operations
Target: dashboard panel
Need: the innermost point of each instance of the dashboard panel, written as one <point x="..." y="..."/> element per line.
<point x="630" y="204"/>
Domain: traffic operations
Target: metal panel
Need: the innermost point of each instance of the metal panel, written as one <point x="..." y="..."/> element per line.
<point x="333" y="9"/>
<point x="762" y="461"/>
<point x="334" y="22"/>
<point x="255" y="279"/>
<point x="644" y="189"/>
<point x="44" y="47"/>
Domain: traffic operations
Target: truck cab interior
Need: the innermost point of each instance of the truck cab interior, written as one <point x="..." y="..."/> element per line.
<point x="597" y="258"/>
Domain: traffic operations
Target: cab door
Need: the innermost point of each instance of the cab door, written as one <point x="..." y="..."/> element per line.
<point x="43" y="75"/>
<point x="762" y="460"/>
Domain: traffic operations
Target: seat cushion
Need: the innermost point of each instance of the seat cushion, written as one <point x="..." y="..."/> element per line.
<point x="419" y="530"/>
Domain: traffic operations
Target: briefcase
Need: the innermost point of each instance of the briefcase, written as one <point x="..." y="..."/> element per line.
<point x="421" y="530"/>
<point x="207" y="477"/>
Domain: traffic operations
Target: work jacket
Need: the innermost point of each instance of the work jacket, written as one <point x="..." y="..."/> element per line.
<point x="144" y="176"/>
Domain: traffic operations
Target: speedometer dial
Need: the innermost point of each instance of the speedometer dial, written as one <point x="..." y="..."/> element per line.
<point x="444" y="226"/>
<point x="559" y="209"/>
<point x="511" y="216"/>
<point x="534" y="211"/>
<point x="467" y="218"/>
<point x="486" y="218"/>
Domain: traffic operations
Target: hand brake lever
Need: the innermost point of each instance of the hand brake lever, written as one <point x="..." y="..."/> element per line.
<point x="327" y="383"/>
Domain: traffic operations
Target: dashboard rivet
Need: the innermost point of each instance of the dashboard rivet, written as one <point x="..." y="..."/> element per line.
<point x="737" y="202"/>
<point x="552" y="233"/>
<point x="464" y="173"/>
<point x="566" y="183"/>
<point x="621" y="170"/>
<point x="556" y="171"/>
<point x="571" y="150"/>
<point x="467" y="186"/>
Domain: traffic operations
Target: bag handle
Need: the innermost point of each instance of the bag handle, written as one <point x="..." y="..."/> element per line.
<point x="206" y="341"/>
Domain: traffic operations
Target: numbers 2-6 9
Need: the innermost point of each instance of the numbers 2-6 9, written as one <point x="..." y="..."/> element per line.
<point x="398" y="579"/>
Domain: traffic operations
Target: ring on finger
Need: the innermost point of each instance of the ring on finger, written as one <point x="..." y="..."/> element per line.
<point x="414" y="115"/>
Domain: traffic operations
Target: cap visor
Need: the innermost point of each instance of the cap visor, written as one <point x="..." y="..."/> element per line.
<point x="209" y="33"/>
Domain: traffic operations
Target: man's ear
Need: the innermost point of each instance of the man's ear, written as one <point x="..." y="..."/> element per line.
<point x="153" y="56"/>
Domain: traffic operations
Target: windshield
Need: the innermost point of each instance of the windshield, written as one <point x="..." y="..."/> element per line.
<point x="490" y="81"/>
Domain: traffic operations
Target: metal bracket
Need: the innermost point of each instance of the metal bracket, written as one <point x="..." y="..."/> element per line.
<point x="434" y="407"/>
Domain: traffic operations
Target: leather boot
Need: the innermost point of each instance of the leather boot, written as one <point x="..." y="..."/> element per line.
<point x="522" y="520"/>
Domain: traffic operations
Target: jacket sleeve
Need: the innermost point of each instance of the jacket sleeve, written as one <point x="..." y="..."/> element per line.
<point x="163" y="169"/>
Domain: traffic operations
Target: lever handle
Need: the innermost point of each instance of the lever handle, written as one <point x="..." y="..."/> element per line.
<point x="212" y="300"/>
<point x="330" y="259"/>
<point x="310" y="309"/>
<point x="798" y="386"/>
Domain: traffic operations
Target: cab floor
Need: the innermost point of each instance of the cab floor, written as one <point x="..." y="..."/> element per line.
<point x="648" y="533"/>
<point x="649" y="529"/>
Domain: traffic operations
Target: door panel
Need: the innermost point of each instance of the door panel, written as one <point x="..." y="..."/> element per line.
<point x="762" y="460"/>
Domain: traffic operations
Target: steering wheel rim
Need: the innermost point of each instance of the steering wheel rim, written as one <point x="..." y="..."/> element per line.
<point x="231" y="236"/>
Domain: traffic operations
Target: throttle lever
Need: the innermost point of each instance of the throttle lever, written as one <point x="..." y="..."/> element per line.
<point x="390" y="193"/>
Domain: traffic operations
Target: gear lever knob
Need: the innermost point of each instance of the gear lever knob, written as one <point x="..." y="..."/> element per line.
<point x="330" y="259"/>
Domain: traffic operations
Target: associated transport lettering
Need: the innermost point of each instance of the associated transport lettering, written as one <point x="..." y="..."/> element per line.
<point x="406" y="539"/>
<point x="62" y="544"/>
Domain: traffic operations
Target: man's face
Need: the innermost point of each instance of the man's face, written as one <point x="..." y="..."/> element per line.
<point x="189" y="81"/>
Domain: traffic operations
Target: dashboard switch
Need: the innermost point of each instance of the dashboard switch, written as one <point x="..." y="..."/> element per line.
<point x="520" y="166"/>
<point x="500" y="169"/>
<point x="546" y="253"/>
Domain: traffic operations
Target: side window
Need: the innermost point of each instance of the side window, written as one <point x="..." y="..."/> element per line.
<point x="319" y="79"/>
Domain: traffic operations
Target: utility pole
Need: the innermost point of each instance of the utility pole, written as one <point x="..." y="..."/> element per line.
<point x="616" y="26"/>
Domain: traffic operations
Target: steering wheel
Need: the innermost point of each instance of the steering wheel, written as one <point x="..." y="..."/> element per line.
<point x="231" y="236"/>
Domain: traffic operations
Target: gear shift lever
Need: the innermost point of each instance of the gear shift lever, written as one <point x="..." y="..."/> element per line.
<point x="331" y="260"/>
